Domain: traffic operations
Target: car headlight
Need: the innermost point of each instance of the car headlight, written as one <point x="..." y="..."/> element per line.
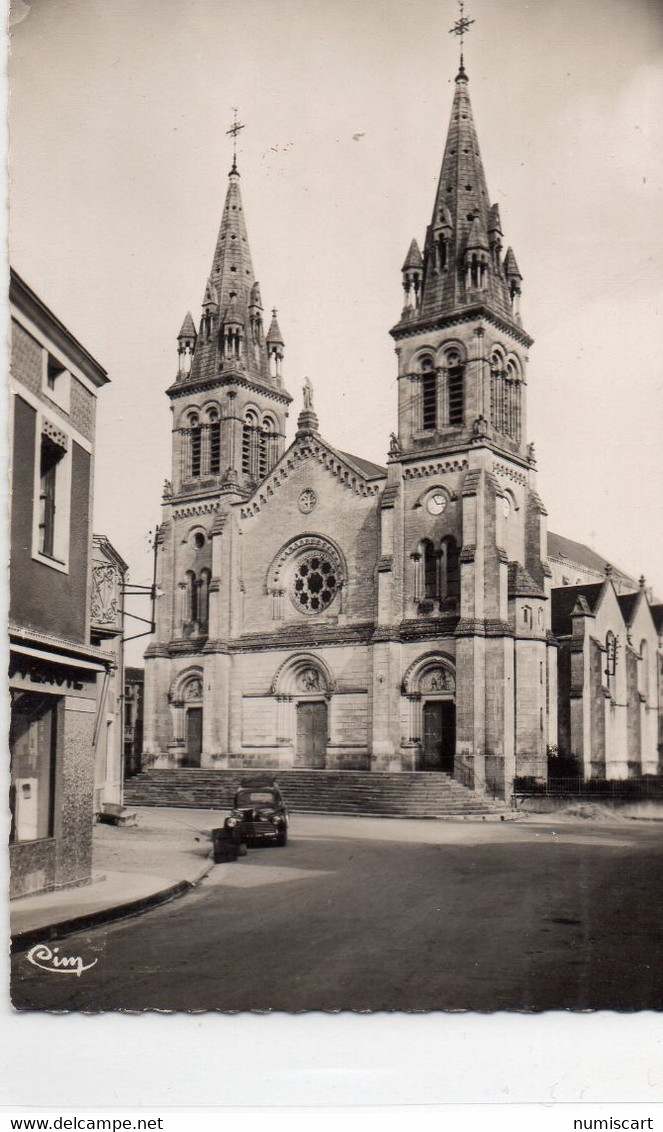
<point x="231" y="822"/>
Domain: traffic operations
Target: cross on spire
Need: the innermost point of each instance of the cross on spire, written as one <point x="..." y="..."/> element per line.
<point x="460" y="28"/>
<point x="234" y="130"/>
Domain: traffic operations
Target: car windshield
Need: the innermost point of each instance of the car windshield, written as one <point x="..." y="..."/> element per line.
<point x="256" y="798"/>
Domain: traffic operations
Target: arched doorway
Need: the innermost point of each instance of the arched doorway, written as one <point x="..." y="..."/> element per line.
<point x="430" y="686"/>
<point x="186" y="702"/>
<point x="303" y="687"/>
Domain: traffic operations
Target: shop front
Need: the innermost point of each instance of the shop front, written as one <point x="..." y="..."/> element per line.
<point x="54" y="717"/>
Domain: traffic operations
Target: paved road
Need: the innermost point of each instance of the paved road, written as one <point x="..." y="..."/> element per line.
<point x="369" y="914"/>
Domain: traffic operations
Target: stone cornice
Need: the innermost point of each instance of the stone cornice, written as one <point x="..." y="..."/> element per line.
<point x="468" y="314"/>
<point x="204" y="384"/>
<point x="434" y="467"/>
<point x="310" y="447"/>
<point x="488" y="627"/>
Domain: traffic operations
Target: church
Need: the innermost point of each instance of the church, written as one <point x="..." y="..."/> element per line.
<point x="321" y="611"/>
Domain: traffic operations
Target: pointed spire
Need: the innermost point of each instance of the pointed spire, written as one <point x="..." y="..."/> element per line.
<point x="414" y="258"/>
<point x="186" y="344"/>
<point x="188" y="328"/>
<point x="463" y="220"/>
<point x="231" y="330"/>
<point x="494" y="222"/>
<point x="511" y="269"/>
<point x="274" y="336"/>
<point x="477" y="237"/>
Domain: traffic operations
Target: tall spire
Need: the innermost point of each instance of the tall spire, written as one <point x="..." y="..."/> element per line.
<point x="231" y="332"/>
<point x="462" y="263"/>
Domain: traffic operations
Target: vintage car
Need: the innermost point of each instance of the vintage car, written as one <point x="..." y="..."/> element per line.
<point x="259" y="814"/>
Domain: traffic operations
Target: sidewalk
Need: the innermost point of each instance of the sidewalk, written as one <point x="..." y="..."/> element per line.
<point x="133" y="868"/>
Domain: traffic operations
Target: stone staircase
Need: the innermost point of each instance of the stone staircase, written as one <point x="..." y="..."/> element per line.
<point x="417" y="795"/>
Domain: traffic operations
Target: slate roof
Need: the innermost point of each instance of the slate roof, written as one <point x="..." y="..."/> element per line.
<point x="373" y="471"/>
<point x="414" y="257"/>
<point x="563" y="601"/>
<point x="657" y="614"/>
<point x="576" y="552"/>
<point x="462" y="212"/>
<point x="522" y="584"/>
<point x="188" y="329"/>
<point x="627" y="604"/>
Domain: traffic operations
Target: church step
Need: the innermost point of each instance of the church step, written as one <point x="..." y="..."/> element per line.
<point x="416" y="794"/>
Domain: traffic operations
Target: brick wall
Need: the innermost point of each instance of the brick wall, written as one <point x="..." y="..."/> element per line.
<point x="42" y="598"/>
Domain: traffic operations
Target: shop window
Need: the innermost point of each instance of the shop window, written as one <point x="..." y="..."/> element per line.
<point x="33" y="746"/>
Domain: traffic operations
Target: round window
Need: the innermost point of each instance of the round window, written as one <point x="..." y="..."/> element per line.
<point x="315" y="582"/>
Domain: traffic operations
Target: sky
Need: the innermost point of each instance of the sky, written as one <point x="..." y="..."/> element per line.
<point x="119" y="158"/>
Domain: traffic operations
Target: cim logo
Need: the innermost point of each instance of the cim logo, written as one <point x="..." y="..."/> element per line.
<point x="49" y="959"/>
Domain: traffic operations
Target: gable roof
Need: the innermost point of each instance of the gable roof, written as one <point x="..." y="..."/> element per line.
<point x="359" y="474"/>
<point x="657" y="614"/>
<point x="583" y="556"/>
<point x="371" y="470"/>
<point x="627" y="604"/>
<point x="563" y="601"/>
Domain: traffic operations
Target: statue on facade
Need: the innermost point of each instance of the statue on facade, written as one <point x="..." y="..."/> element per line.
<point x="308" y="395"/>
<point x="167" y="489"/>
<point x="394" y="446"/>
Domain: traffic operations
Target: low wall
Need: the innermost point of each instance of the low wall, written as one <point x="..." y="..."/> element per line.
<point x="645" y="810"/>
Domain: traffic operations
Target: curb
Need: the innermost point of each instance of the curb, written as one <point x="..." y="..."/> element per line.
<point x="106" y="915"/>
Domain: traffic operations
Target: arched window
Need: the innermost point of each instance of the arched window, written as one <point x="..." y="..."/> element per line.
<point x="214" y="446"/>
<point x="430" y="570"/>
<point x="203" y="598"/>
<point x="451" y="570"/>
<point x="512" y="408"/>
<point x="195" y="445"/>
<point x="266" y="439"/>
<point x="643" y="668"/>
<point x="190" y="598"/>
<point x="497" y="390"/>
<point x="428" y="394"/>
<point x="250" y="431"/>
<point x="455" y="391"/>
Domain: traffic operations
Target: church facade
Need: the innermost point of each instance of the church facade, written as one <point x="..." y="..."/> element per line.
<point x="322" y="611"/>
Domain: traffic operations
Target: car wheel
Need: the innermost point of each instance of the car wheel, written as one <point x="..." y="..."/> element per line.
<point x="282" y="838"/>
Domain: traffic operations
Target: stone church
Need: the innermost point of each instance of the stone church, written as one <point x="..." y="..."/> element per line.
<point x="322" y="611"/>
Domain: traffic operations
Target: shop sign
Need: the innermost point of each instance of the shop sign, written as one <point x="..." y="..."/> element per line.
<point x="28" y="672"/>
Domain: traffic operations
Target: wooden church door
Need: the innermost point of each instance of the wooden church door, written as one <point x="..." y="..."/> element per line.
<point x="439" y="738"/>
<point x="311" y="733"/>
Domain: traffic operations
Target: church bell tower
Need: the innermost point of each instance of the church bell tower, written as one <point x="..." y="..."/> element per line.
<point x="474" y="541"/>
<point x="228" y="399"/>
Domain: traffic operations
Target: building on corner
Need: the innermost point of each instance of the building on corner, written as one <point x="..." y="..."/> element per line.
<point x="55" y="674"/>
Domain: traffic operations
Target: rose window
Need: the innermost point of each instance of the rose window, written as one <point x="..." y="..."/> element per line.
<point x="315" y="583"/>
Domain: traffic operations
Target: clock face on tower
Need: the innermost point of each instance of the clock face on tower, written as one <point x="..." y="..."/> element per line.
<point x="436" y="503"/>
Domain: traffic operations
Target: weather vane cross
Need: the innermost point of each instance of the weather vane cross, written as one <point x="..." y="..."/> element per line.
<point x="234" y="130"/>
<point x="461" y="27"/>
